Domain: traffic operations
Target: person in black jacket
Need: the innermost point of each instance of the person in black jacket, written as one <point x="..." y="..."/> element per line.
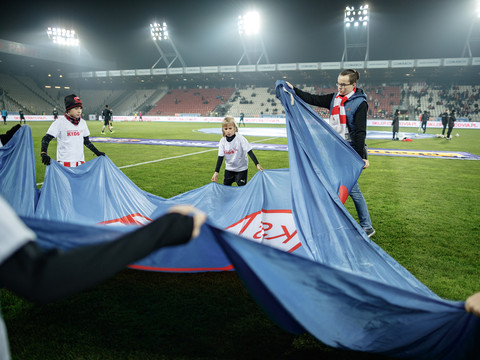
<point x="22" y="116"/>
<point x="107" y="116"/>
<point x="395" y="124"/>
<point x="445" y="117"/>
<point x="425" y="117"/>
<point x="55" y="114"/>
<point x="46" y="275"/>
<point x="451" y="124"/>
<point x="348" y="116"/>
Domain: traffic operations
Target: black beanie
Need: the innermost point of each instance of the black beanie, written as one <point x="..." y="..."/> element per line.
<point x="72" y="101"/>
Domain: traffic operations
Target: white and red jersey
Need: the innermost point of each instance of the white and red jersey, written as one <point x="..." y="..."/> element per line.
<point x="235" y="152"/>
<point x="69" y="139"/>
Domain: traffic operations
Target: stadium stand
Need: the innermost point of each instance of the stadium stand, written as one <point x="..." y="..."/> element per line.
<point x="255" y="101"/>
<point x="23" y="91"/>
<point x="191" y="101"/>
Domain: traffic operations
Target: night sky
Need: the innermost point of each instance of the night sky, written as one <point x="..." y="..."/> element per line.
<point x="205" y="31"/>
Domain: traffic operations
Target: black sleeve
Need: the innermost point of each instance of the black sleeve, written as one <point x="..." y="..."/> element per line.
<point x="90" y="146"/>
<point x="313" y="99"/>
<point x="360" y="133"/>
<point x="219" y="164"/>
<point x="45" y="141"/>
<point x="5" y="138"/>
<point x="43" y="276"/>
<point x="253" y="157"/>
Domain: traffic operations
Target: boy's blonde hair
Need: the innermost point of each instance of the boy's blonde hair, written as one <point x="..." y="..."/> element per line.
<point x="228" y="120"/>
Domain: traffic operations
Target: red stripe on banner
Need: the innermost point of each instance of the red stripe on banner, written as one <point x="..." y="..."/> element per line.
<point x="152" y="268"/>
<point x="295" y="247"/>
<point x="128" y="219"/>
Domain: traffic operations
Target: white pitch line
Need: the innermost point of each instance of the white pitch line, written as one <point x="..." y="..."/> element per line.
<point x="175" y="157"/>
<point x="180" y="156"/>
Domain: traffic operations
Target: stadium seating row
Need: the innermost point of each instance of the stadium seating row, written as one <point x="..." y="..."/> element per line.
<point x="23" y="92"/>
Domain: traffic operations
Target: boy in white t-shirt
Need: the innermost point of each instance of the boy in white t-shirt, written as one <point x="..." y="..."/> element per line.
<point x="72" y="133"/>
<point x="234" y="148"/>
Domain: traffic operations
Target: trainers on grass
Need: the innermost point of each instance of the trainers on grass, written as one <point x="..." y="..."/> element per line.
<point x="370" y="232"/>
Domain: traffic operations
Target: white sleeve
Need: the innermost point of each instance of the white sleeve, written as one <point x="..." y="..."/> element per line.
<point x="221" y="147"/>
<point x="246" y="145"/>
<point x="87" y="132"/>
<point x="15" y="233"/>
<point x="54" y="129"/>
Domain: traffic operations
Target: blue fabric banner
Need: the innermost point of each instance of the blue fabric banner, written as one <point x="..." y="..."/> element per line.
<point x="17" y="172"/>
<point x="319" y="273"/>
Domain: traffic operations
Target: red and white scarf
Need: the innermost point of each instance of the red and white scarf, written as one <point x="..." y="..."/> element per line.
<point x="338" y="116"/>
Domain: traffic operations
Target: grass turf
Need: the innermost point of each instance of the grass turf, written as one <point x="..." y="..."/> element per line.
<point x="425" y="211"/>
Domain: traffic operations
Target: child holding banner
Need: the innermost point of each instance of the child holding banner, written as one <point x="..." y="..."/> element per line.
<point x="72" y="133"/>
<point x="234" y="148"/>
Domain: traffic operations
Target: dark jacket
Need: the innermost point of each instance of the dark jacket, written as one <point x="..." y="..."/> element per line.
<point x="395" y="123"/>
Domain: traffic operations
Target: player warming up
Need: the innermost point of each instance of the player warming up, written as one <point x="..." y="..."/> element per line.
<point x="234" y="148"/>
<point x="72" y="133"/>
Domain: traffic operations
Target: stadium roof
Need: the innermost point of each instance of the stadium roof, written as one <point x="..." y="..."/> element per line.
<point x="205" y="32"/>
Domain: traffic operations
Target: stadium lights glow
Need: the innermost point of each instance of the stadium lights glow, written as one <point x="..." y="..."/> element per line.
<point x="356" y="16"/>
<point x="63" y="36"/>
<point x="159" y="31"/>
<point x="249" y="24"/>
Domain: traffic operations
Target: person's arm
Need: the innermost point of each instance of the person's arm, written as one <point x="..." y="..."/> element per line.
<point x="313" y="99"/>
<point x="91" y="147"/>
<point x="43" y="152"/>
<point x="43" y="276"/>
<point x="5" y="138"/>
<point x="358" y="137"/>
<point x="217" y="168"/>
<point x="254" y="159"/>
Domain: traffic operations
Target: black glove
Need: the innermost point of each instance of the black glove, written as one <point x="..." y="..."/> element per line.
<point x="45" y="159"/>
<point x="99" y="153"/>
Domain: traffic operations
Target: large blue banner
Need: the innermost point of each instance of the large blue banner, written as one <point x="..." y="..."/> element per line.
<point x="318" y="273"/>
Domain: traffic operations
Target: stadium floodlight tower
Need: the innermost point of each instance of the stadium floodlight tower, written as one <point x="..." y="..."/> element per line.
<point x="165" y="46"/>
<point x="473" y="37"/>
<point x="252" y="42"/>
<point x="63" y="37"/>
<point x="356" y="33"/>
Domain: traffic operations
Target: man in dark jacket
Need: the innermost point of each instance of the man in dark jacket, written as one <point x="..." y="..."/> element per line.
<point x="445" y="117"/>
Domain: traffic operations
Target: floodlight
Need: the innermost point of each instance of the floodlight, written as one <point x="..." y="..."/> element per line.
<point x="62" y="36"/>
<point x="251" y="39"/>
<point x="167" y="50"/>
<point x="249" y="24"/>
<point x="356" y="29"/>
<point x="353" y="15"/>
<point x="159" y="31"/>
